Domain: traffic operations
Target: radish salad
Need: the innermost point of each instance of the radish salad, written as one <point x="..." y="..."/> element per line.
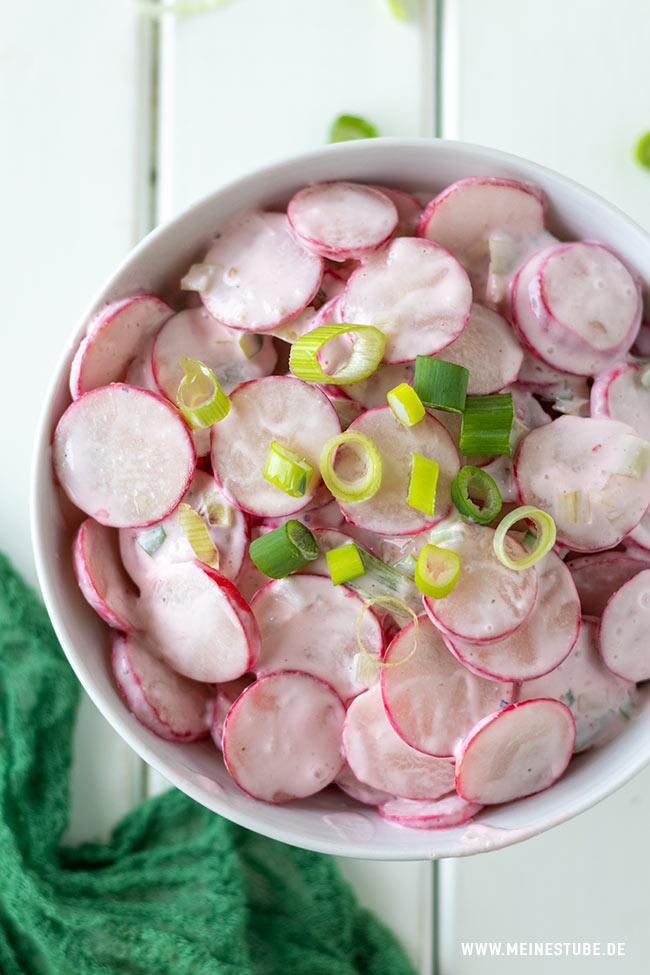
<point x="369" y="504"/>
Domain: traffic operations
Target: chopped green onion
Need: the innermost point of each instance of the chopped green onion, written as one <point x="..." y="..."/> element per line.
<point x="393" y="606"/>
<point x="645" y="378"/>
<point x="398" y="9"/>
<point x="365" y="354"/>
<point x="219" y="514"/>
<point x="199" y="277"/>
<point x="439" y="384"/>
<point x="344" y="563"/>
<point x="487" y="422"/>
<point x="200" y="398"/>
<point x="283" y="550"/>
<point x="423" y="483"/>
<point x="360" y="488"/>
<point x="437" y="571"/>
<point x="406" y="404"/>
<point x="472" y="480"/>
<point x="407" y="566"/>
<point x="287" y="470"/>
<point x="348" y="127"/>
<point x="151" y="539"/>
<point x="250" y="344"/>
<point x="380" y="580"/>
<point x="197" y="534"/>
<point x="642" y="151"/>
<point x="545" y="536"/>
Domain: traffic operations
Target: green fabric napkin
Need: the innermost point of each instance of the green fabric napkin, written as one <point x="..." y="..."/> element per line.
<point x="177" y="889"/>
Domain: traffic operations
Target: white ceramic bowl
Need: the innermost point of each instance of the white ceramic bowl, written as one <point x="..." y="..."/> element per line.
<point x="329" y="822"/>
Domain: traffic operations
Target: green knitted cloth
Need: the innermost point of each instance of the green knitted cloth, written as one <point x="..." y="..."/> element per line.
<point x="177" y="889"/>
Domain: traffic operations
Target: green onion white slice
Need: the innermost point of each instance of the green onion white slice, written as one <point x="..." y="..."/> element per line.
<point x="440" y="384"/>
<point x="151" y="539"/>
<point x="287" y="470"/>
<point x="283" y="550"/>
<point x="366" y="352"/>
<point x="474" y="481"/>
<point x="545" y="536"/>
<point x="196" y="532"/>
<point x="200" y="398"/>
<point x="396" y="608"/>
<point x="487" y="422"/>
<point x="423" y="483"/>
<point x="405" y="404"/>
<point x="360" y="488"/>
<point x="437" y="571"/>
<point x="344" y="563"/>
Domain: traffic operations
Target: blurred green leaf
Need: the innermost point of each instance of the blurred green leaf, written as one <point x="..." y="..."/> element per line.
<point x="348" y="127"/>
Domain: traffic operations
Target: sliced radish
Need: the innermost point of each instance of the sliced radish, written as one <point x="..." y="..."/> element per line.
<point x="227" y="694"/>
<point x="430" y="698"/>
<point x="408" y="209"/>
<point x="489" y="349"/>
<point x="259" y="274"/>
<point x="601" y="703"/>
<point x="347" y="782"/>
<point x="388" y="512"/>
<point x="342" y="220"/>
<point x="414" y="292"/>
<point x="308" y="624"/>
<point x="597" y="577"/>
<point x="536" y="374"/>
<point x="440" y="813"/>
<point x="282" y="737"/>
<point x="371" y="392"/>
<point x="641" y="345"/>
<point x="140" y="371"/>
<point x="591" y="475"/>
<point x="542" y="641"/>
<point x="280" y="408"/>
<point x="101" y="576"/>
<point x="489" y="601"/>
<point x="113" y="339"/>
<point x="576" y="306"/>
<point x="468" y="213"/>
<point x="640" y="535"/>
<point x="173" y="707"/>
<point x="314" y="516"/>
<point x="624" y="633"/>
<point x="123" y="455"/>
<point x="620" y="394"/>
<point x="196" y="334"/>
<point x="200" y="623"/>
<point x="507" y="253"/>
<point x="381" y="759"/>
<point x="515" y="752"/>
<point x="250" y="579"/>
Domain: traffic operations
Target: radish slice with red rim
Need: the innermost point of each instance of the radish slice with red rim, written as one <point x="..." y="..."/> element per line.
<point x="173" y="707"/>
<point x="387" y="512"/>
<point x="640" y="535"/>
<point x="590" y="474"/>
<point x="227" y="694"/>
<point x="597" y="577"/>
<point x="408" y="209"/>
<point x="347" y="782"/>
<point x="113" y="338"/>
<point x="371" y="392"/>
<point x="101" y="575"/>
<point x="381" y="759"/>
<point x="440" y="813"/>
<point x="282" y="737"/>
<point x="260" y="275"/>
<point x="341" y="220"/>
<point x="308" y="624"/>
<point x="515" y="752"/>
<point x="280" y="408"/>
<point x="624" y="634"/>
<point x="600" y="702"/>
<point x="414" y="292"/>
<point x="490" y="600"/>
<point x="621" y="394"/>
<point x="430" y="698"/>
<point x="489" y="349"/>
<point x="123" y="455"/>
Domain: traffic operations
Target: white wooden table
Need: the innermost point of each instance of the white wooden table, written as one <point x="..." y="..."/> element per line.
<point x="114" y="120"/>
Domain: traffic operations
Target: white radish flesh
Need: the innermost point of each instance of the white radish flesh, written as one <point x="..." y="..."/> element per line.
<point x="597" y="577"/>
<point x="282" y="737"/>
<point x="640" y="535"/>
<point x="381" y="759"/>
<point x="430" y="698"/>
<point x="488" y="348"/>
<point x="101" y="576"/>
<point x="624" y="633"/>
<point x="308" y="624"/>
<point x="227" y="694"/>
<point x="173" y="707"/>
<point x="591" y="474"/>
<point x="620" y="394"/>
<point x="123" y="456"/>
<point x="408" y="209"/>
<point x="262" y="276"/>
<point x="440" y="813"/>
<point x="515" y="752"/>
<point x="347" y="782"/>
<point x="342" y="220"/>
<point x="414" y="292"/>
<point x="280" y="408"/>
<point x="387" y="512"/>
<point x="371" y="392"/>
<point x="115" y="337"/>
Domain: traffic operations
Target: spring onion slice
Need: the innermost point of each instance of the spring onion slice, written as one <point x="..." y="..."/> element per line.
<point x="196" y="532"/>
<point x="394" y="606"/>
<point x="344" y="563"/>
<point x="348" y="127"/>
<point x="437" y="571"/>
<point x="423" y="483"/>
<point x="250" y="343"/>
<point x="487" y="422"/>
<point x="199" y="277"/>
<point x="645" y="378"/>
<point x="151" y="539"/>
<point x="472" y="480"/>
<point x="200" y="398"/>
<point x="380" y="579"/>
<point x="642" y="150"/>
<point x="441" y="384"/>
<point x="218" y="514"/>
<point x="283" y="550"/>
<point x="545" y="536"/>
<point x="361" y="488"/>
<point x="287" y="470"/>
<point x="365" y="354"/>
<point x="405" y="404"/>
